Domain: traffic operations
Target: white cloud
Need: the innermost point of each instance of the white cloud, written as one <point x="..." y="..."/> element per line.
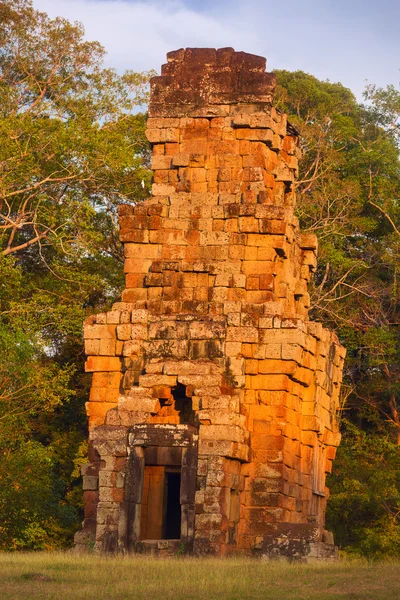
<point x="340" y="41"/>
<point x="138" y="35"/>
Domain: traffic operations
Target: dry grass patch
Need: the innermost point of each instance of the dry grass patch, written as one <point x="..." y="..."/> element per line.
<point x="57" y="576"/>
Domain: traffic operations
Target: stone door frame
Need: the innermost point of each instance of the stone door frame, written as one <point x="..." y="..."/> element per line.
<point x="141" y="437"/>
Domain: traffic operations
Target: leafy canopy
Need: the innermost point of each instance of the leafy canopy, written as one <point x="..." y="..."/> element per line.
<point x="72" y="147"/>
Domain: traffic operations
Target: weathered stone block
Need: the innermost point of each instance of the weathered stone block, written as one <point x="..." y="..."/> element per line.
<point x="102" y="363"/>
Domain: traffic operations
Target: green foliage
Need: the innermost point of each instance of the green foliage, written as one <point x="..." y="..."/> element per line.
<point x="72" y="146"/>
<point x="348" y="194"/>
<point x="364" y="509"/>
<point x="34" y="514"/>
<point x="386" y="108"/>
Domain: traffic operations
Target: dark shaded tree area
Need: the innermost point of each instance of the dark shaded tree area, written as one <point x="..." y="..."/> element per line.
<point x="72" y="147"/>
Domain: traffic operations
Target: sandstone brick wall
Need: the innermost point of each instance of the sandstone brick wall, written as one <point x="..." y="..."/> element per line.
<point x="212" y="334"/>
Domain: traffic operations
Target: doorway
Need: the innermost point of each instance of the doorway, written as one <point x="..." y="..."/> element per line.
<point x="173" y="510"/>
<point x="160" y="487"/>
<point x="161" y="508"/>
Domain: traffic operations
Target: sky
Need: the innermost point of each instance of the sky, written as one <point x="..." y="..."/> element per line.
<point x="351" y="41"/>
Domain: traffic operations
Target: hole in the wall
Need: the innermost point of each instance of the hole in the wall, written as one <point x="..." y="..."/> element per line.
<point x="179" y="404"/>
<point x="183" y="405"/>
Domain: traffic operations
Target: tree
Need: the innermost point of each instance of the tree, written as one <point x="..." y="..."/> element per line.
<point x="72" y="147"/>
<point x="72" y="140"/>
<point x="365" y="486"/>
<point x="386" y="108"/>
<point x="348" y="193"/>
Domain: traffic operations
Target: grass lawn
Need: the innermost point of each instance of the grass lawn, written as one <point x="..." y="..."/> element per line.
<point x="66" y="576"/>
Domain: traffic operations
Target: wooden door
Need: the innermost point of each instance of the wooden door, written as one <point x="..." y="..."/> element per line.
<point x="153" y="503"/>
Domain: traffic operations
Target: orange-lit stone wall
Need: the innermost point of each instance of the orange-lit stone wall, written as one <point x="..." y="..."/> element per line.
<point x="210" y="351"/>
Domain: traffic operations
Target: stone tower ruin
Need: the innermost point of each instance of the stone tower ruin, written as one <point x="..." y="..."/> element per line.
<point x="213" y="400"/>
